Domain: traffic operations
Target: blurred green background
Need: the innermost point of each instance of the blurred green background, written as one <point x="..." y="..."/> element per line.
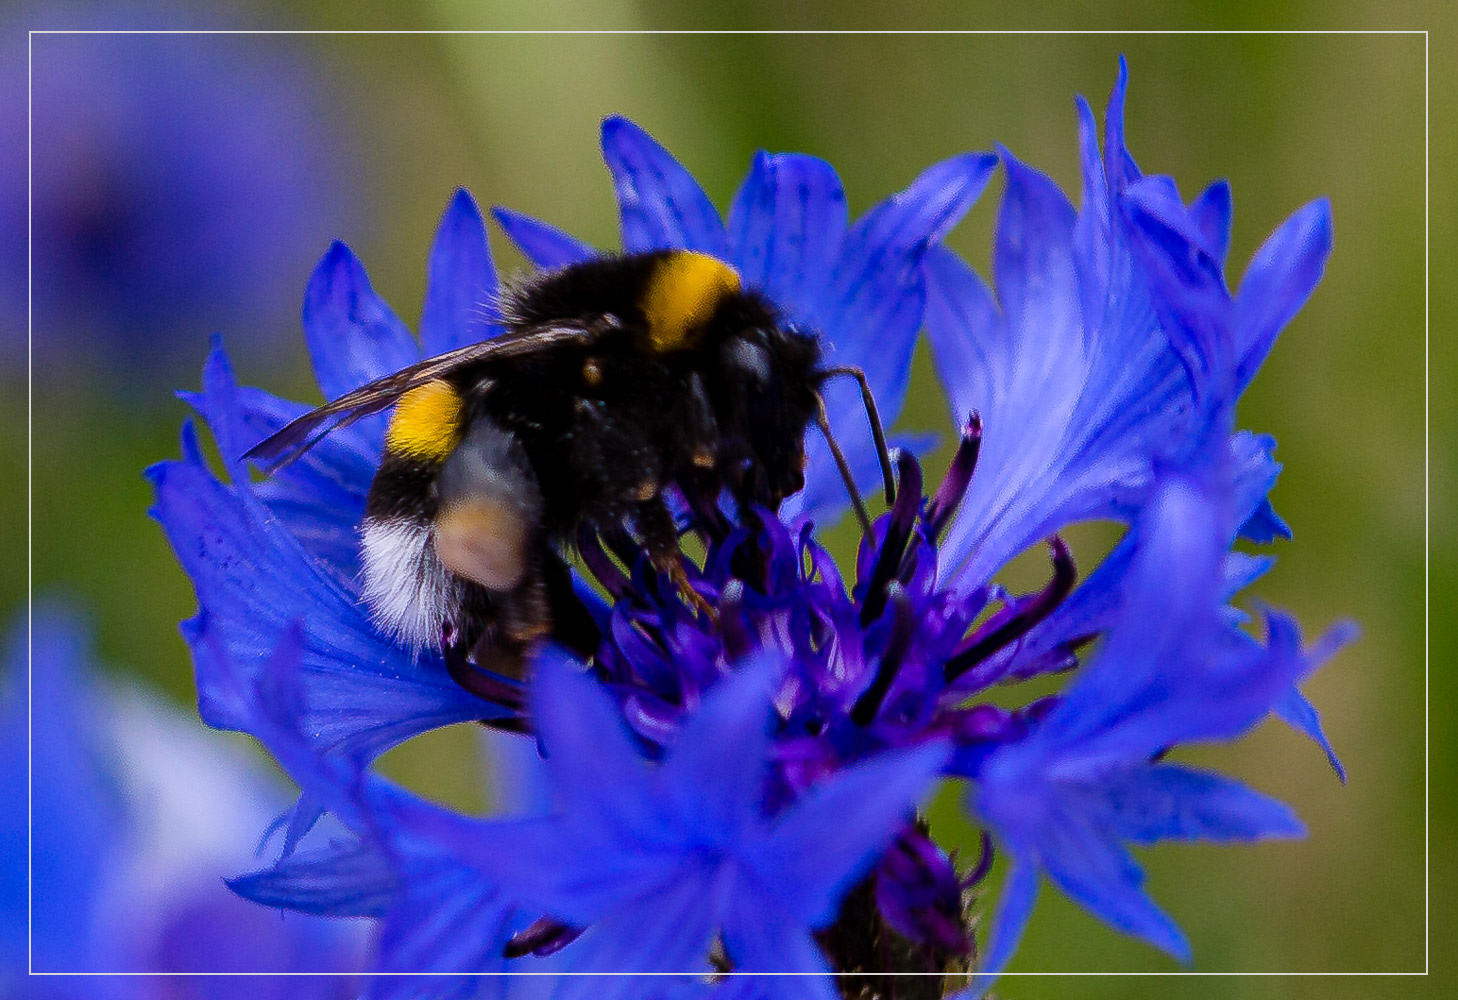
<point x="1286" y="118"/>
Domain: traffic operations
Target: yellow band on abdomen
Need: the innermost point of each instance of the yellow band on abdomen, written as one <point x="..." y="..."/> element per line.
<point x="427" y="422"/>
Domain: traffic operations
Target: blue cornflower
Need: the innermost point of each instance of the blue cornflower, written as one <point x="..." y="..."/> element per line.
<point x="238" y="541"/>
<point x="175" y="182"/>
<point x="1100" y="383"/>
<point x="135" y="813"/>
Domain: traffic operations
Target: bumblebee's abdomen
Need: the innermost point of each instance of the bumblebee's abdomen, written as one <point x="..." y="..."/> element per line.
<point x="451" y="533"/>
<point x="410" y="593"/>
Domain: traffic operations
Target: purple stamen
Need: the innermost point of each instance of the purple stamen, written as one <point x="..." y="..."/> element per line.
<point x="984" y="863"/>
<point x="959" y="476"/>
<point x="919" y="894"/>
<point x="1005" y="669"/>
<point x="899" y="525"/>
<point x="651" y="717"/>
<point x="903" y="628"/>
<point x="483" y="685"/>
<point x="543" y="937"/>
<point x="737" y="639"/>
<point x="601" y="565"/>
<point x="1002" y="630"/>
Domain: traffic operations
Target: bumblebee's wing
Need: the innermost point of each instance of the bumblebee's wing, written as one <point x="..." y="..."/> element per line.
<point x="300" y="434"/>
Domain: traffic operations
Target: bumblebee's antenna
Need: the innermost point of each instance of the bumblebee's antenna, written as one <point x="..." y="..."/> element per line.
<point x="822" y="420"/>
<point x="877" y="431"/>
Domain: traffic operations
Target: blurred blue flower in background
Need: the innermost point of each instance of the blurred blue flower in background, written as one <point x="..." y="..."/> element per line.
<point x="178" y="182"/>
<point x="681" y="825"/>
<point x="137" y="815"/>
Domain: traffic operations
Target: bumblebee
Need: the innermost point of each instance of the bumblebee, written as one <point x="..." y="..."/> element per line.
<point x="614" y="380"/>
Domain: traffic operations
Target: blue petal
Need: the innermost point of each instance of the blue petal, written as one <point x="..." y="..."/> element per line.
<point x="666" y="931"/>
<point x="1211" y="214"/>
<point x="1278" y="281"/>
<point x="1014" y="909"/>
<point x="1080" y="784"/>
<point x="364" y="692"/>
<point x="353" y="336"/>
<point x="1297" y="711"/>
<point x="606" y="841"/>
<point x="762" y="937"/>
<point x="968" y="337"/>
<point x="1127" y="703"/>
<point x="1093" y="235"/>
<point x="54" y="742"/>
<point x="567" y="866"/>
<point x="1033" y="261"/>
<point x="870" y="311"/>
<point x="516" y="774"/>
<point x="1090" y="866"/>
<point x="460" y="282"/>
<point x="1255" y="474"/>
<point x="833" y="833"/>
<point x="1114" y="709"/>
<point x="1068" y="829"/>
<point x="545" y="246"/>
<point x="1119" y="166"/>
<point x="596" y="770"/>
<point x="1091" y="608"/>
<point x="1189" y="291"/>
<point x="717" y="793"/>
<point x="1242" y="570"/>
<point x="274" y="702"/>
<point x="1173" y="802"/>
<point x="660" y="202"/>
<point x="1073" y="418"/>
<point x="345" y="879"/>
<point x="1264" y="525"/>
<point x="320" y="496"/>
<point x="447" y="922"/>
<point x="1292" y="706"/>
<point x="785" y="228"/>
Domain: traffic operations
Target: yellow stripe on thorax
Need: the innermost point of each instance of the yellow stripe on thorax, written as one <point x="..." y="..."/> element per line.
<point x="682" y="294"/>
<point x="427" y="422"/>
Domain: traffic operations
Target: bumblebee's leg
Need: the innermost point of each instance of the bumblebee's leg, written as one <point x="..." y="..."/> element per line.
<point x="526" y="611"/>
<point x="873" y="417"/>
<point x="822" y="420"/>
<point x="572" y="624"/>
<point x="659" y="535"/>
<point x="699" y="425"/>
<point x="702" y="492"/>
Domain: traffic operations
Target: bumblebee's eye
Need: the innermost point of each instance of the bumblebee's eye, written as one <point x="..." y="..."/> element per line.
<point x="489" y="509"/>
<point x="592" y="372"/>
<point x="752" y="358"/>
